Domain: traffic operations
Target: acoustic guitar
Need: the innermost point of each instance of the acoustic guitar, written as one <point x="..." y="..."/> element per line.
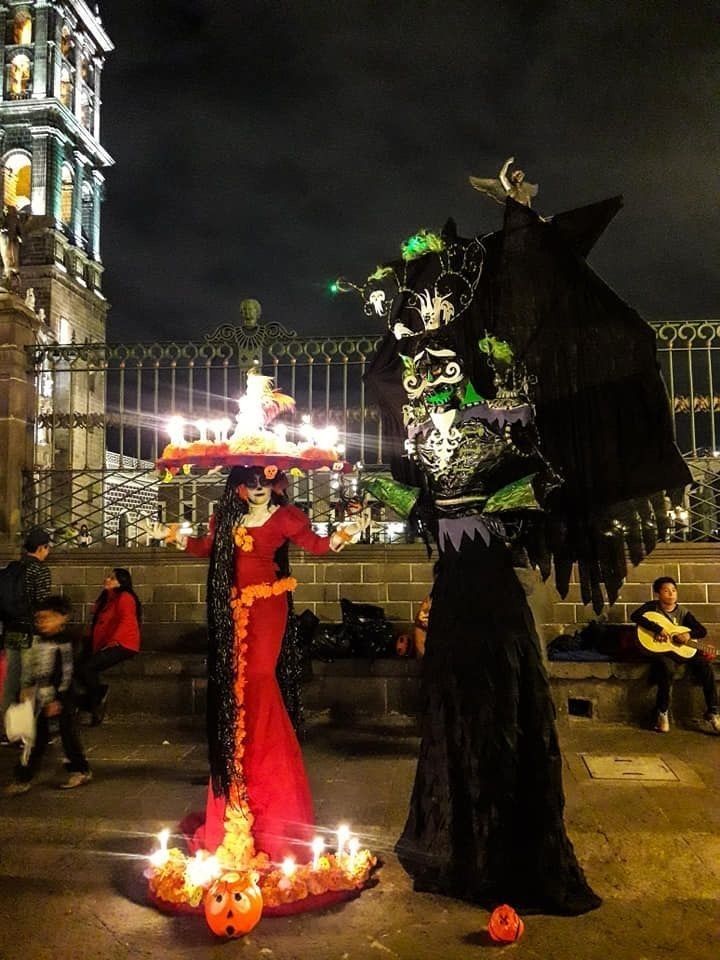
<point x="681" y="643"/>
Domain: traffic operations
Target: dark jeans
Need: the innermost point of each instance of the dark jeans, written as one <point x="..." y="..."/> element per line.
<point x="88" y="672"/>
<point x="67" y="724"/>
<point x="665" y="669"/>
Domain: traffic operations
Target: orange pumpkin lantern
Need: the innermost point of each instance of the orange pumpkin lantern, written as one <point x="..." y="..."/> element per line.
<point x="504" y="925"/>
<point x="233" y="905"/>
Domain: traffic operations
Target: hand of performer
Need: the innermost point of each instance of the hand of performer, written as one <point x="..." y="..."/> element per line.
<point x="663" y="637"/>
<point x="348" y="533"/>
<point x="162" y="531"/>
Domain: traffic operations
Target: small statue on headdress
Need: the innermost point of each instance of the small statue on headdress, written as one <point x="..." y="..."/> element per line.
<point x="514" y="185"/>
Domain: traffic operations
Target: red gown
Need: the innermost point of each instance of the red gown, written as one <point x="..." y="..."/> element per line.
<point x="276" y="786"/>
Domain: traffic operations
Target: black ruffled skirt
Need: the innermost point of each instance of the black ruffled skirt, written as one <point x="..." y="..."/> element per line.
<point x="486" y="814"/>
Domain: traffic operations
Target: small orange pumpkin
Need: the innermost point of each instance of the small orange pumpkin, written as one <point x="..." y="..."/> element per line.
<point x="233" y="905"/>
<point x="504" y="925"/>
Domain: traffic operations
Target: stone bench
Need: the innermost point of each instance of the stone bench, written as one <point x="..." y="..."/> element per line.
<point x="168" y="684"/>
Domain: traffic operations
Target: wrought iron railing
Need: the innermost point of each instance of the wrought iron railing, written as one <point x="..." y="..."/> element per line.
<point x="94" y="398"/>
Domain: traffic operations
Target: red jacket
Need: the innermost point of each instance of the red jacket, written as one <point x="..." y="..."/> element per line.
<point x="117" y="623"/>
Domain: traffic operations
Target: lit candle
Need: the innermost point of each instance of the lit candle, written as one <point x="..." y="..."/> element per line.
<point x="343" y="832"/>
<point x="176" y="429"/>
<point x="202" y="869"/>
<point x="288" y="866"/>
<point x="353" y="847"/>
<point x="202" y="426"/>
<point x="223" y="426"/>
<point x="280" y="431"/>
<point x="318" y="845"/>
<point x="161" y="855"/>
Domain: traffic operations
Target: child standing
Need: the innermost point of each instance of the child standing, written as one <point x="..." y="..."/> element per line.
<point x="52" y="667"/>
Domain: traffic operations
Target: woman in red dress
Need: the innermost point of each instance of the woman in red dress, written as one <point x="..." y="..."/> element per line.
<point x="259" y="805"/>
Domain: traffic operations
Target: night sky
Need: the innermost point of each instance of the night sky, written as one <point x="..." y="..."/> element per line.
<point x="263" y="148"/>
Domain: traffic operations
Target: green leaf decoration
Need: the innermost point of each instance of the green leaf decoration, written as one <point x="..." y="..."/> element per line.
<point x="499" y="350"/>
<point x="471" y="396"/>
<point x="518" y="495"/>
<point x="398" y="496"/>
<point x="421" y="243"/>
<point x="381" y="273"/>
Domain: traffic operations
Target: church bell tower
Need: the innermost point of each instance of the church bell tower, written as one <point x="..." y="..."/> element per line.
<point x="53" y="53"/>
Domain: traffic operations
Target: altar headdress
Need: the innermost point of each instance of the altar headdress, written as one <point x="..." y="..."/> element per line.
<point x="257" y="437"/>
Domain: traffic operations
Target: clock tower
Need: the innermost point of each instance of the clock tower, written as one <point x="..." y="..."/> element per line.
<point x="52" y="54"/>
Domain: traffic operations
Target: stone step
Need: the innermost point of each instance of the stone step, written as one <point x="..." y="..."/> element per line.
<point x="174" y="684"/>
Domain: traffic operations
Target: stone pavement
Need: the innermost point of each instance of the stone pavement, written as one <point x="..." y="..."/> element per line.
<point x="71" y="861"/>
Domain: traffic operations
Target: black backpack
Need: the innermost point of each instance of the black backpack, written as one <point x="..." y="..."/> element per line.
<point x="14" y="606"/>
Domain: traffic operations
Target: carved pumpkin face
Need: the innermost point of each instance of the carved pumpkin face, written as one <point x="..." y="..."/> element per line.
<point x="233" y="905"/>
<point x="504" y="925"/>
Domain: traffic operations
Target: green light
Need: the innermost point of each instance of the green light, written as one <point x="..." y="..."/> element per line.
<point x="334" y="287"/>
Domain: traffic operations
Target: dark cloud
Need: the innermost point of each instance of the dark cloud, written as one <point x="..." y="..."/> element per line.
<point x="264" y="147"/>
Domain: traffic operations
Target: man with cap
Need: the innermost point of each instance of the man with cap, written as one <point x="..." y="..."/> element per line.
<point x="19" y="634"/>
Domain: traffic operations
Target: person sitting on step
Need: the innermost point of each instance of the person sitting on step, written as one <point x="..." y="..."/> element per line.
<point x="114" y="637"/>
<point x="665" y="666"/>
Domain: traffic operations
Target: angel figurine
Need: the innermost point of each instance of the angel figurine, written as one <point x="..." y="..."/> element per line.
<point x="505" y="186"/>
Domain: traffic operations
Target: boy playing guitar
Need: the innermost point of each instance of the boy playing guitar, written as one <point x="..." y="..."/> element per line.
<point x="661" y="618"/>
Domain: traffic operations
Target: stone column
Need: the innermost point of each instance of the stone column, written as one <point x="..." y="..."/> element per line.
<point x="98" y="101"/>
<point x="18" y="328"/>
<point x="57" y="56"/>
<point x="40" y="160"/>
<point x="54" y="194"/>
<point x="98" y="183"/>
<point x="77" y="89"/>
<point x="80" y="161"/>
<point x="40" y="55"/>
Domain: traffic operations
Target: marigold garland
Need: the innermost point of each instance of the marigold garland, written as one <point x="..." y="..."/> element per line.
<point x="243" y="539"/>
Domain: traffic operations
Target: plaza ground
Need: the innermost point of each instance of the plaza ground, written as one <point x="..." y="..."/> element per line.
<point x="71" y="861"/>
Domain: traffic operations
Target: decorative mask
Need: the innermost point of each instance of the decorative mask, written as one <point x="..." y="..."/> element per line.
<point x="504" y="925"/>
<point x="430" y="372"/>
<point x="233" y="905"/>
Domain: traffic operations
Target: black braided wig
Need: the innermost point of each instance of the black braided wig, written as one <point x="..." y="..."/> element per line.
<point x="222" y="655"/>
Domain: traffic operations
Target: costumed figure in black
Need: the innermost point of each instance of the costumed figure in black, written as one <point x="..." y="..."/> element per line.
<point x="513" y="384"/>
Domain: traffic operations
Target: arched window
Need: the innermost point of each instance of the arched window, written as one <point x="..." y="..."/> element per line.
<point x="22" y="27"/>
<point x="66" y="86"/>
<point x="66" y="195"/>
<point x="87" y="211"/>
<point x="19" y="77"/>
<point x="17" y="180"/>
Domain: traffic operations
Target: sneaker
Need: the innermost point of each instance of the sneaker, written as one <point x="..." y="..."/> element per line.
<point x="714" y="720"/>
<point x="662" y="724"/>
<point x="76" y="779"/>
<point x="16" y="788"/>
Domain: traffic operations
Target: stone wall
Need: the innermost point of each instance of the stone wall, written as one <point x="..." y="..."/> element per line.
<point x="172" y="587"/>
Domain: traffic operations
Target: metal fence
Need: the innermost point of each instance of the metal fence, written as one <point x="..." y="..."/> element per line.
<point x="102" y="409"/>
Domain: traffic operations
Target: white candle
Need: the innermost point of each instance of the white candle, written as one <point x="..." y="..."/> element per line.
<point x="202" y="869"/>
<point x="318" y="845"/>
<point x="161" y="855"/>
<point x="202" y="426"/>
<point x="288" y="866"/>
<point x="223" y="426"/>
<point x="343" y="832"/>
<point x="176" y="429"/>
